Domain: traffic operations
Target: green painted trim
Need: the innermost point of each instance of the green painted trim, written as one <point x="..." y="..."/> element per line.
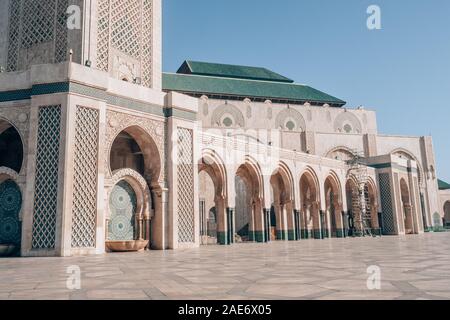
<point x="259" y="236"/>
<point x="15" y="95"/>
<point x="251" y="236"/>
<point x="326" y="233"/>
<point x="304" y="234"/>
<point x="222" y="238"/>
<point x="291" y="235"/>
<point x="317" y="234"/>
<point x="377" y="232"/>
<point x="78" y="88"/>
<point x="340" y="233"/>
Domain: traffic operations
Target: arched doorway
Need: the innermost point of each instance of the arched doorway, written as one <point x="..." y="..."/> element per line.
<point x="135" y="167"/>
<point x="282" y="212"/>
<point x="310" y="217"/>
<point x="11" y="162"/>
<point x="354" y="218"/>
<point x="249" y="225"/>
<point x="372" y="221"/>
<point x="406" y="207"/>
<point x="214" y="226"/>
<point x="334" y="206"/>
<point x="11" y="147"/>
<point x="447" y="215"/>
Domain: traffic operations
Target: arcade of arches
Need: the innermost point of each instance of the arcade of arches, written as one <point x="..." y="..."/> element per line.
<point x="256" y="219"/>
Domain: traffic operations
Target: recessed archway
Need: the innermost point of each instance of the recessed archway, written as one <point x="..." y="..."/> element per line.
<point x="333" y="206"/>
<point x="11" y="147"/>
<point x="249" y="225"/>
<point x="282" y="222"/>
<point x="310" y="218"/>
<point x="355" y="227"/>
<point x="447" y="214"/>
<point x="406" y="207"/>
<point x="135" y="166"/>
<point x="214" y="226"/>
<point x="372" y="223"/>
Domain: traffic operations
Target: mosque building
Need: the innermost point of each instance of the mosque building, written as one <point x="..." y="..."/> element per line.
<point x="101" y="151"/>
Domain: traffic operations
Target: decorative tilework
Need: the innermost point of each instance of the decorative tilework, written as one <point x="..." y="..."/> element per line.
<point x="386" y="203"/>
<point x="10" y="205"/>
<point x="122" y="204"/>
<point x="185" y="192"/>
<point x="84" y="213"/>
<point x="46" y="184"/>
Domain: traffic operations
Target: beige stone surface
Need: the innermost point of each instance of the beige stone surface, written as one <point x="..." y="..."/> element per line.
<point x="411" y="268"/>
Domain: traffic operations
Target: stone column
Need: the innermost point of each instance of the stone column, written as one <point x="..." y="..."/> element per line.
<point x="222" y="221"/>
<point x="297" y="222"/>
<point x="317" y="226"/>
<point x="259" y="231"/>
<point x="267" y="224"/>
<point x="230" y="225"/>
<point x="291" y="225"/>
<point x="374" y="220"/>
<point x="160" y="220"/>
<point x="339" y="219"/>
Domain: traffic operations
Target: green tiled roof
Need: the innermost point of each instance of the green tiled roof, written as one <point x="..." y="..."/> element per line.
<point x="208" y="85"/>
<point x="230" y="71"/>
<point x="443" y="185"/>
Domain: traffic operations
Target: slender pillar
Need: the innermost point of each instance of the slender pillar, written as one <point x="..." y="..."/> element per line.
<point x="297" y="224"/>
<point x="259" y="226"/>
<point x="291" y="225"/>
<point x="230" y="232"/>
<point x="267" y="224"/>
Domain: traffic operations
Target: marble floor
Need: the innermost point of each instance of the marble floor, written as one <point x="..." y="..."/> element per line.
<point x="412" y="267"/>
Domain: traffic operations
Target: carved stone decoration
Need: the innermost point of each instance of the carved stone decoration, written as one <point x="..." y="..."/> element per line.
<point x="290" y="115"/>
<point x="155" y="129"/>
<point x="232" y="111"/>
<point x="139" y="185"/>
<point x="249" y="112"/>
<point x="347" y="122"/>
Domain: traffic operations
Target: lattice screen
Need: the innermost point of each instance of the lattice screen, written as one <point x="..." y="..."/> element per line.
<point x="126" y="26"/>
<point x="46" y="183"/>
<point x="35" y="22"/>
<point x="84" y="212"/>
<point x="185" y="191"/>
<point x="386" y="203"/>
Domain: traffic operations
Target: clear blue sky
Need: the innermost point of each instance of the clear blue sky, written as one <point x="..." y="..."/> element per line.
<point x="401" y="71"/>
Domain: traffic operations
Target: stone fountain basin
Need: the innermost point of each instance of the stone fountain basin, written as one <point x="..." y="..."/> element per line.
<point x="7" y="250"/>
<point x="127" y="246"/>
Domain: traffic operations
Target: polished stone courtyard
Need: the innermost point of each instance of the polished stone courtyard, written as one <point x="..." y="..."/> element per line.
<point x="412" y="267"/>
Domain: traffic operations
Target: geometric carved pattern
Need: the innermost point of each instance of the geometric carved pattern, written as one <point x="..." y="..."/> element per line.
<point x="14" y="35"/>
<point x="185" y="181"/>
<point x="84" y="214"/>
<point x="122" y="204"/>
<point x="103" y="34"/>
<point x="228" y="110"/>
<point x="147" y="48"/>
<point x="46" y="183"/>
<point x="347" y="122"/>
<point x="126" y="26"/>
<point x="10" y="205"/>
<point x="155" y="129"/>
<point x="61" y="38"/>
<point x="290" y="115"/>
<point x="33" y="23"/>
<point x="386" y="203"/>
